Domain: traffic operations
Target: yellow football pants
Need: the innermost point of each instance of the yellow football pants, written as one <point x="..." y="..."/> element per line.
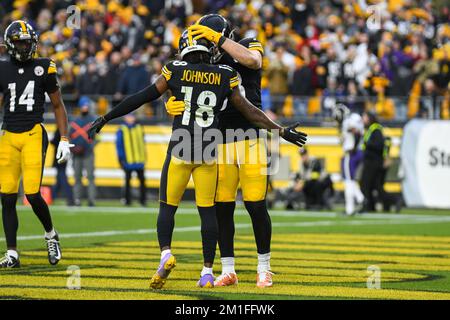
<point x="22" y="154"/>
<point x="243" y="162"/>
<point x="175" y="177"/>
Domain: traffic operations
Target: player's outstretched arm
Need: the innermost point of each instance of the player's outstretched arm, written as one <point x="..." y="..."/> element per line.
<point x="259" y="118"/>
<point x="130" y="104"/>
<point x="250" y="58"/>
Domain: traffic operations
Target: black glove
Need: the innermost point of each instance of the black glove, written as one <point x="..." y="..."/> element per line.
<point x="96" y="126"/>
<point x="294" y="136"/>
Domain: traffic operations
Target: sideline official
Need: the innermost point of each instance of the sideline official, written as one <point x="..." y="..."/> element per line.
<point x="373" y="148"/>
<point x="131" y="153"/>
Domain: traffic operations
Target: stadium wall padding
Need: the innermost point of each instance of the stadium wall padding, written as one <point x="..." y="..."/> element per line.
<point x="323" y="142"/>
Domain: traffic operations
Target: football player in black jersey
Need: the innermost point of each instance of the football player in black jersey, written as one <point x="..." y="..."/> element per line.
<point x="245" y="57"/>
<point x="202" y="89"/>
<point x="23" y="140"/>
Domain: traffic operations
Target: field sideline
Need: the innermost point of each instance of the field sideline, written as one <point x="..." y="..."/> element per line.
<point x="316" y="255"/>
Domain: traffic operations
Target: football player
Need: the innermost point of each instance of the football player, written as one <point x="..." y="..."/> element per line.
<point x="201" y="89"/>
<point x="23" y="140"/>
<point x="352" y="129"/>
<point x="246" y="58"/>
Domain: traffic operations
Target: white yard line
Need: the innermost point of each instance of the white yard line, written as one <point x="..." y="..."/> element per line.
<point x="244" y="226"/>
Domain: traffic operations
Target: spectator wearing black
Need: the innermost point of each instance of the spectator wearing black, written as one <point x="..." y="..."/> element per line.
<point x="109" y="83"/>
<point x="302" y="88"/>
<point x="373" y="160"/>
<point x="135" y="77"/>
<point x="89" y="82"/>
<point x="430" y="106"/>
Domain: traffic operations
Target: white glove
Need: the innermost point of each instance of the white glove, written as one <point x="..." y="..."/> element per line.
<point x="63" y="152"/>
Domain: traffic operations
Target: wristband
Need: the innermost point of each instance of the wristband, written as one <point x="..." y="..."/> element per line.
<point x="222" y="39"/>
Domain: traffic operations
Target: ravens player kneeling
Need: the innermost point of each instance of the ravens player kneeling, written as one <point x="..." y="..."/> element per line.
<point x="201" y="89"/>
<point x="23" y="139"/>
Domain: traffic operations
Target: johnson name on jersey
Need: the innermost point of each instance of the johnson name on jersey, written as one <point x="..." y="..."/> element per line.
<point x="204" y="89"/>
<point x="250" y="87"/>
<point x="24" y="86"/>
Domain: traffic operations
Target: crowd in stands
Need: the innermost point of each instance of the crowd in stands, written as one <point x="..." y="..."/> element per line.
<point x="391" y="56"/>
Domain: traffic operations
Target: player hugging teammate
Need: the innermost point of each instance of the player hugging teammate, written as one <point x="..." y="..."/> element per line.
<point x="200" y="90"/>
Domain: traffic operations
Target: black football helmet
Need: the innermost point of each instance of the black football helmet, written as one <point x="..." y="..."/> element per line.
<point x="219" y="24"/>
<point x="187" y="45"/>
<point x="21" y="40"/>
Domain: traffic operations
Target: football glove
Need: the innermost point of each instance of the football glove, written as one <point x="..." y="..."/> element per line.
<point x="63" y="151"/>
<point x="96" y="126"/>
<point x="173" y="107"/>
<point x="293" y="136"/>
<point x="198" y="31"/>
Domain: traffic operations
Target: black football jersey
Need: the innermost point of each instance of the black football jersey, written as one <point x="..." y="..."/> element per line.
<point x="204" y="89"/>
<point x="250" y="80"/>
<point x="24" y="86"/>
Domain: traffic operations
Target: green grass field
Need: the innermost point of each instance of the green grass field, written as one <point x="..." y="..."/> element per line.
<point x="315" y="255"/>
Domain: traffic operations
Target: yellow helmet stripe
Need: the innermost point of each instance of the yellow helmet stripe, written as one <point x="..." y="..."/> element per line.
<point x="24" y="27"/>
<point x="190" y="42"/>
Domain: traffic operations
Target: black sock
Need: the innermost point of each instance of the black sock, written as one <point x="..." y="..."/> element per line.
<point x="10" y="220"/>
<point x="262" y="225"/>
<point x="41" y="210"/>
<point x="225" y="222"/>
<point x="165" y="224"/>
<point x="209" y="232"/>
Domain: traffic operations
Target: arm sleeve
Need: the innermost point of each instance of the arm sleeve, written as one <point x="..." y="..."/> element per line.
<point x="133" y="102"/>
<point x="51" y="83"/>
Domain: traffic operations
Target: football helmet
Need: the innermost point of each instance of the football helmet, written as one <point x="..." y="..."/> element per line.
<point x="21" y="40"/>
<point x="219" y="24"/>
<point x="187" y="45"/>
<point x="340" y="112"/>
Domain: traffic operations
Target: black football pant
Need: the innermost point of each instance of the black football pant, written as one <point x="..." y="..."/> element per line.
<point x="142" y="188"/>
<point x="261" y="222"/>
<point x="371" y="183"/>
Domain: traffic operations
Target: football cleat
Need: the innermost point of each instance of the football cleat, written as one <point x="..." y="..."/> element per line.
<point x="226" y="279"/>
<point x="264" y="279"/>
<point x="206" y="281"/>
<point x="9" y="262"/>
<point x="168" y="262"/>
<point x="54" y="249"/>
